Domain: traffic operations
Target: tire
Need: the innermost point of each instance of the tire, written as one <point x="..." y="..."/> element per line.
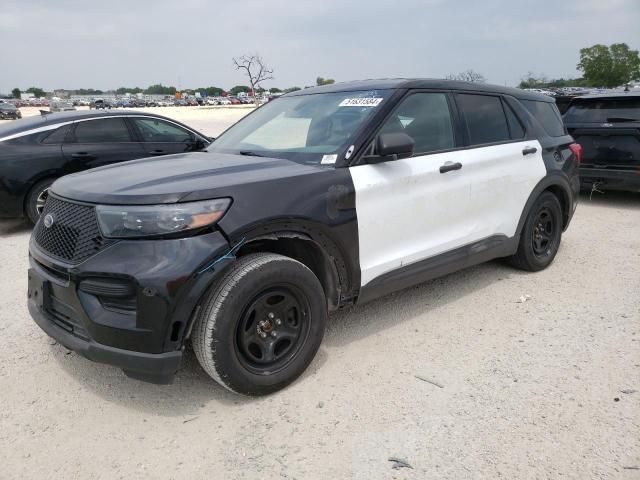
<point x="233" y="335"/>
<point x="35" y="199"/>
<point x="541" y="235"/>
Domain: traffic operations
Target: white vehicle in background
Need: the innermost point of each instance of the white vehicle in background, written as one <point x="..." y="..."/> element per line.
<point x="212" y="101"/>
<point x="224" y="101"/>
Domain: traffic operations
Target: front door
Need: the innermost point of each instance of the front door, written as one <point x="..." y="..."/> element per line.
<point x="408" y="210"/>
<point x="161" y="137"/>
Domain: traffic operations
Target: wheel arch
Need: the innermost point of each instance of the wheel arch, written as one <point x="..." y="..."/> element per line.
<point x="311" y="245"/>
<point x="32" y="183"/>
<point x="558" y="186"/>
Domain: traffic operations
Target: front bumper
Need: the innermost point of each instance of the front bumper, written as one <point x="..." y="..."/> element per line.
<point x="628" y="180"/>
<point x="130" y="305"/>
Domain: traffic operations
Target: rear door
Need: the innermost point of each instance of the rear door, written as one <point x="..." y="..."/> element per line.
<point x="101" y="141"/>
<point x="608" y="130"/>
<point x="503" y="167"/>
<point x="160" y="137"/>
<point x="407" y="209"/>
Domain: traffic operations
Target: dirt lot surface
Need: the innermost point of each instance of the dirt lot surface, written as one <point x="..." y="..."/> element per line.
<point x="544" y="388"/>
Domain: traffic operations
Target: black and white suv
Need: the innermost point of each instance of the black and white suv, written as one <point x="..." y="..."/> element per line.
<point x="322" y="198"/>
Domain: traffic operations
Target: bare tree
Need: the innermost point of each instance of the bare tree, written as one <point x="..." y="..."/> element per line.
<point x="255" y="68"/>
<point x="468" y="76"/>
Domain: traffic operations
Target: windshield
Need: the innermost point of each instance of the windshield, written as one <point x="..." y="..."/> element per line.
<point x="603" y="110"/>
<point x="306" y="128"/>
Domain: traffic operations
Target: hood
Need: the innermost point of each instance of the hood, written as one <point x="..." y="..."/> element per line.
<point x="174" y="178"/>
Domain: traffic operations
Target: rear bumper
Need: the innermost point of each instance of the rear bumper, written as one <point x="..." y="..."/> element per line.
<point x="607" y="179"/>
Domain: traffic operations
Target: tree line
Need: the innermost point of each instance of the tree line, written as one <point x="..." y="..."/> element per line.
<point x="601" y="65"/>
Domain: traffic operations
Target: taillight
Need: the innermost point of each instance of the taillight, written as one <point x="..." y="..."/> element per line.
<point x="576" y="149"/>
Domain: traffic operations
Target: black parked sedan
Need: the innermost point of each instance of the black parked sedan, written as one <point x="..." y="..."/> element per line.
<point x="8" y="111"/>
<point x="37" y="150"/>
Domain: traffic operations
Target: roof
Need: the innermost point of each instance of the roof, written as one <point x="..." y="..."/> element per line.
<point x="404" y="83"/>
<point x="617" y="94"/>
<point x="49" y="119"/>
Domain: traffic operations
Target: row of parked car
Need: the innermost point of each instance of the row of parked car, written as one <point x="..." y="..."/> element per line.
<point x="183" y="102"/>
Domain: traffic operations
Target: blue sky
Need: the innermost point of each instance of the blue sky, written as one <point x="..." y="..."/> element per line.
<point x="190" y="43"/>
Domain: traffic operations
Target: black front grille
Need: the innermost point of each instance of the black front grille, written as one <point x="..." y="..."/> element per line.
<point x="74" y="235"/>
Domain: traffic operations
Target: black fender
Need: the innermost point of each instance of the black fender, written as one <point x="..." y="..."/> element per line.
<point x="344" y="277"/>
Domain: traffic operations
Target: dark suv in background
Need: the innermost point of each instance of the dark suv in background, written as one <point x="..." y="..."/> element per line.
<point x="607" y="126"/>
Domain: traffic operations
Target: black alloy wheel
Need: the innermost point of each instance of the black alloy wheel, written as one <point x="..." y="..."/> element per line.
<point x="273" y="327"/>
<point x="543" y="234"/>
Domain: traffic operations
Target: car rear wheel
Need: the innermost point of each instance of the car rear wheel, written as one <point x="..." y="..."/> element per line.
<point x="261" y="325"/>
<point x="541" y="235"/>
<point x="36" y="199"/>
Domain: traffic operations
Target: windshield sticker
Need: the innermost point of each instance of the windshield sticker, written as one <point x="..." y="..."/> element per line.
<point x="329" y="159"/>
<point x="360" y="102"/>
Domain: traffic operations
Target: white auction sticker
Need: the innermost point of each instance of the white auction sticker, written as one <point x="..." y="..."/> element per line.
<point x="361" y="102"/>
<point x="328" y="159"/>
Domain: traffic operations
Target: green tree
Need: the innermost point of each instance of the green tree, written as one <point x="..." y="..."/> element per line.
<point x="15" y="93"/>
<point x="133" y="91"/>
<point x="211" y="91"/>
<point x="610" y="66"/>
<point x="292" y="89"/>
<point x="159" y="89"/>
<point x="239" y="88"/>
<point x="37" y="92"/>
<point x="324" y="81"/>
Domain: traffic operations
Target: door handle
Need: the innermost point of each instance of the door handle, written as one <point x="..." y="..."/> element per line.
<point x="529" y="150"/>
<point x="449" y="166"/>
<point x="157" y="152"/>
<point x="83" y="155"/>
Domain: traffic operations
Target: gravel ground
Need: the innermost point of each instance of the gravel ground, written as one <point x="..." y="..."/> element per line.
<point x="546" y="388"/>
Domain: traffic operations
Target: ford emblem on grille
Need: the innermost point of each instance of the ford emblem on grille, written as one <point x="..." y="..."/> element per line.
<point x="49" y="220"/>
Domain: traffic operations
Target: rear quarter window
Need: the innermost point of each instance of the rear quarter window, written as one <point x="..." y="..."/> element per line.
<point x="547" y="115"/>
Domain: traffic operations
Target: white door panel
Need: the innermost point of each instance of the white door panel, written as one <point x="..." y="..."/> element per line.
<point x="408" y="211"/>
<point x="502" y="180"/>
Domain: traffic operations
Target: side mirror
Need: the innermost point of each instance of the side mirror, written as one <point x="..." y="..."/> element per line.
<point x="392" y="146"/>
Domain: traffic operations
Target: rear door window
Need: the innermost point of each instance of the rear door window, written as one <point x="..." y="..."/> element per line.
<point x="484" y="117"/>
<point x="104" y="130"/>
<point x="547" y="115"/>
<point x="515" y="127"/>
<point x="603" y="110"/>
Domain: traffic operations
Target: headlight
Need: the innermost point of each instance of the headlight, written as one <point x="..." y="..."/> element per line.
<point x="125" y="221"/>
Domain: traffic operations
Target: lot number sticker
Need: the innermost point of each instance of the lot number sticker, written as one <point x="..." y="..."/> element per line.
<point x="360" y="102"/>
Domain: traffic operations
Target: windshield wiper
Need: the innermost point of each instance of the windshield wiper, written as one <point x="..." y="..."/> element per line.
<point x="622" y="119"/>
<point x="250" y="153"/>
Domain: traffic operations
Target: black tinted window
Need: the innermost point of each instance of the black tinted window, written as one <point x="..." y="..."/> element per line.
<point x="57" y="136"/>
<point x="486" y="122"/>
<point x="604" y="110"/>
<point x="104" y="130"/>
<point x="153" y="130"/>
<point x="424" y="117"/>
<point x="517" y="131"/>
<point x="548" y="115"/>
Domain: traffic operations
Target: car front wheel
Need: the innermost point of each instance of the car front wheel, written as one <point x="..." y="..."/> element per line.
<point x="261" y="324"/>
